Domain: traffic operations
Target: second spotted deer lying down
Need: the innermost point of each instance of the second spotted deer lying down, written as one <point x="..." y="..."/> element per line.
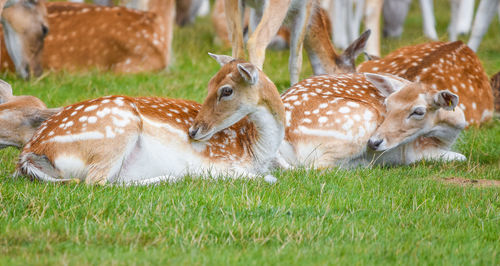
<point x="447" y="65"/>
<point x="355" y="119"/>
<point x="84" y="36"/>
<point x="119" y="139"/>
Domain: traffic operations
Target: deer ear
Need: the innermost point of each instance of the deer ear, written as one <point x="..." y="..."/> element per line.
<point x="348" y="57"/>
<point x="386" y="85"/>
<point x="249" y="73"/>
<point x="221" y="59"/>
<point x="5" y="91"/>
<point x="446" y="100"/>
<point x="37" y="117"/>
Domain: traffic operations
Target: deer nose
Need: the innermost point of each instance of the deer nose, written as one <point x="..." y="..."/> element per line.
<point x="374" y="144"/>
<point x="192" y="132"/>
<point x="45" y="30"/>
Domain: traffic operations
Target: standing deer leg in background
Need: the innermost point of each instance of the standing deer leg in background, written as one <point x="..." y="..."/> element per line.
<point x="297" y="33"/>
<point x="484" y="15"/>
<point x="429" y="21"/>
<point x="395" y="12"/>
<point x="462" y="12"/>
<point x="356" y="14"/>
<point x="338" y="15"/>
<point x="103" y="2"/>
<point x="2" y="3"/>
<point x="373" y="9"/>
<point x="234" y="9"/>
<point x="466" y="12"/>
<point x="272" y="18"/>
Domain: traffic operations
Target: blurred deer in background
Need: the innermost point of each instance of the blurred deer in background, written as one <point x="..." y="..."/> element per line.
<point x="24" y="28"/>
<point x="485" y="13"/>
<point x="346" y="17"/>
<point x="85" y="36"/>
<point x="452" y="66"/>
<point x="395" y="11"/>
<point x="308" y="28"/>
<point x="118" y="139"/>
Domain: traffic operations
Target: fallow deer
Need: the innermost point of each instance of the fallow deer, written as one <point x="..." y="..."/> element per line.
<point x="307" y="29"/>
<point x="84" y="36"/>
<point x="24" y="29"/>
<point x="332" y="119"/>
<point x="118" y="139"/>
<point x="453" y="66"/>
<point x="20" y="117"/>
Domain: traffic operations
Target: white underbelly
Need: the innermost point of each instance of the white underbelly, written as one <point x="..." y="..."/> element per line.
<point x="170" y="161"/>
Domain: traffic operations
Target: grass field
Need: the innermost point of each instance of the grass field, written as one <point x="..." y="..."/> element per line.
<point x="402" y="215"/>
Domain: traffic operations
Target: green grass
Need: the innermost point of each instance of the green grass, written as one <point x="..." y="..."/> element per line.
<point x="399" y="215"/>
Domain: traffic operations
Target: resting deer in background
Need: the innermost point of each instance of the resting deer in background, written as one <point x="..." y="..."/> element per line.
<point x="20" y="117"/>
<point x="24" y="29"/>
<point x="307" y="29"/>
<point x="118" y="139"/>
<point x="331" y="120"/>
<point x="452" y="66"/>
<point x="86" y="36"/>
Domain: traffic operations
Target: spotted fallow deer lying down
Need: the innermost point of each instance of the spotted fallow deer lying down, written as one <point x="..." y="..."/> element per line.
<point x="307" y="29"/>
<point x="24" y="28"/>
<point x="118" y="139"/>
<point x="331" y="120"/>
<point x="84" y="36"/>
<point x="20" y="117"/>
<point x="448" y="65"/>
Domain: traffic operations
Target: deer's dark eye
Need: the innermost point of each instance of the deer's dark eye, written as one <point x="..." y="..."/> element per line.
<point x="225" y="91"/>
<point x="418" y="112"/>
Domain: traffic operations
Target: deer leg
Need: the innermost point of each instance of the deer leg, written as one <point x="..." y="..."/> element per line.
<point x="234" y="9"/>
<point x="485" y="13"/>
<point x="297" y="33"/>
<point x="319" y="47"/>
<point x="339" y="30"/>
<point x="395" y="12"/>
<point x="271" y="21"/>
<point x="435" y="154"/>
<point x="373" y="10"/>
<point x="427" y="7"/>
<point x="466" y="12"/>
<point x="452" y="28"/>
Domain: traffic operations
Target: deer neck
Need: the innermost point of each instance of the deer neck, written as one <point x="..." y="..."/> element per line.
<point x="268" y="119"/>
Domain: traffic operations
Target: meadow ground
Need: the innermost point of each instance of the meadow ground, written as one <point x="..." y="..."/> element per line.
<point x="403" y="215"/>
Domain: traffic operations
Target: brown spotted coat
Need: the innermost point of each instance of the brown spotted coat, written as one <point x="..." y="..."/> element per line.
<point x="84" y="36"/>
<point x="442" y="65"/>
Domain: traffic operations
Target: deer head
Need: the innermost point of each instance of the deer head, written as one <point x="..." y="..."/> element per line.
<point x="20" y="117"/>
<point x="412" y="110"/>
<point x="25" y="27"/>
<point x="236" y="91"/>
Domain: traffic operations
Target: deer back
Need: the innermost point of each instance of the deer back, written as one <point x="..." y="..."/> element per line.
<point x="445" y="66"/>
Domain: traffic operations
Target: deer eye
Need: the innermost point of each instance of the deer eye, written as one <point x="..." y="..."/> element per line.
<point x="225" y="91"/>
<point x="418" y="112"/>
